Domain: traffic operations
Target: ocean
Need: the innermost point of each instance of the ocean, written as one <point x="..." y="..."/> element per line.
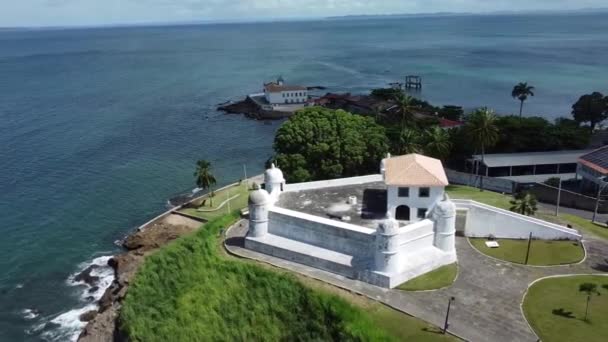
<point x="100" y="127"/>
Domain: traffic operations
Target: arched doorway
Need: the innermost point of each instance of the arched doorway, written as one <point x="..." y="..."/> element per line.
<point x="402" y="213"/>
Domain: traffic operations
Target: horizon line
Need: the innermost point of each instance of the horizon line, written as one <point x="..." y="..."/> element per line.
<point x="586" y="10"/>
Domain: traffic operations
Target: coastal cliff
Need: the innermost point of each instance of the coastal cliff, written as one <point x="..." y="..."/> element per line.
<point x="102" y="324"/>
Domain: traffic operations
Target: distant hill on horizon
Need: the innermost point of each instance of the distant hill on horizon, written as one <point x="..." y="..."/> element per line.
<point x="450" y="14"/>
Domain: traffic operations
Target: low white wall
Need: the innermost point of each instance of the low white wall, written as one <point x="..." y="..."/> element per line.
<point x="483" y="220"/>
<point x="333" y="183"/>
<point x="318" y="231"/>
<point x="416" y="236"/>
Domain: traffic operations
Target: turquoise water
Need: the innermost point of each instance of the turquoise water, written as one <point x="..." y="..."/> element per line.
<point x="100" y="127"/>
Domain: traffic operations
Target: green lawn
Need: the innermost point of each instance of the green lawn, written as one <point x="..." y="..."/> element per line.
<point x="189" y="291"/>
<point x="502" y="201"/>
<point x="548" y="297"/>
<point x="542" y="252"/>
<point x="221" y="196"/>
<point x="442" y="277"/>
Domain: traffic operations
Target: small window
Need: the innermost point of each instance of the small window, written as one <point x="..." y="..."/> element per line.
<point x="404" y="192"/>
<point x="424" y="192"/>
<point x="421" y="213"/>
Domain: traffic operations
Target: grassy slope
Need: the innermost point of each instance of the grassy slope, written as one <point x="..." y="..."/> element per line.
<point x="542" y="253"/>
<point x="437" y="279"/>
<point x="188" y="291"/>
<point x="221" y="196"/>
<point x="502" y="201"/>
<point x="562" y="293"/>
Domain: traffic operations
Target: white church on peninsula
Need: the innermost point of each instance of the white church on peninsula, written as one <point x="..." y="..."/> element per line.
<point x="384" y="229"/>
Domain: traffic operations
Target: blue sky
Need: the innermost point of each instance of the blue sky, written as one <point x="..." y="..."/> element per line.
<point x="107" y="12"/>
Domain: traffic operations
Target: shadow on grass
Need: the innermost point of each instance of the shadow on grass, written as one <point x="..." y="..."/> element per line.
<point x="433" y="330"/>
<point x="562" y="313"/>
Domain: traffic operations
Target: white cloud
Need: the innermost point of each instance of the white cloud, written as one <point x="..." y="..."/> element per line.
<point x="93" y="12"/>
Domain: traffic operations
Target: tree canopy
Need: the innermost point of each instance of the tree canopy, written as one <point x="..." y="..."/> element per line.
<point x="319" y="143"/>
<point x="591" y="108"/>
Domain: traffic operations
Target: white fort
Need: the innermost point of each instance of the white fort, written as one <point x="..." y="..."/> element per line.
<point x="383" y="229"/>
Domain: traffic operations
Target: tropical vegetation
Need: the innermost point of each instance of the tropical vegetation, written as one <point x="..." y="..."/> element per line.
<point x="189" y="291"/>
<point x="591" y="108"/>
<point x="521" y="91"/>
<point x="555" y="308"/>
<point x="524" y="203"/>
<point x="204" y="178"/>
<point x="319" y="143"/>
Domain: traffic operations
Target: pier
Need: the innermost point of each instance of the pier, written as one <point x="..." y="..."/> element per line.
<point x="413" y="82"/>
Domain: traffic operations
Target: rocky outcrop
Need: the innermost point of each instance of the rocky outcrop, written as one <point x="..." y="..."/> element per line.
<point x="251" y="110"/>
<point x="101" y="326"/>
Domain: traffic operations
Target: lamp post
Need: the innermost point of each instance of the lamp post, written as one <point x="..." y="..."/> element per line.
<point x="447" y="315"/>
<point x="600" y="188"/>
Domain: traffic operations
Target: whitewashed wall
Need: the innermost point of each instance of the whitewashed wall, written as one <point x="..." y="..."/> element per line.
<point x="332" y="183"/>
<point x="413" y="201"/>
<point x="318" y="231"/>
<point x="484" y="220"/>
<point x="416" y="236"/>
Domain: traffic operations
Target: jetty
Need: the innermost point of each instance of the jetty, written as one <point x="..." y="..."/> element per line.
<point x="413" y="82"/>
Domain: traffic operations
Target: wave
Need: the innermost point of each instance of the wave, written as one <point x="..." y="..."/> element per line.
<point x="67" y="325"/>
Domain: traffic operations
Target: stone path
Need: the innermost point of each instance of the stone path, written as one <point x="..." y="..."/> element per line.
<point x="488" y="292"/>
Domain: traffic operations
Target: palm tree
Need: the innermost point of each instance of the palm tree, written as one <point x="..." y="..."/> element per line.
<point x="405" y="106"/>
<point x="589" y="289"/>
<point x="204" y="178"/>
<point x="521" y="92"/>
<point x="524" y="203"/>
<point x="409" y="142"/>
<point x="483" y="131"/>
<point x="437" y="143"/>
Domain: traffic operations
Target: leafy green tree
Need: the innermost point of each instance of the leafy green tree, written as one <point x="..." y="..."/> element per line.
<point x="437" y="143"/>
<point x="591" y="108"/>
<point x="320" y="143"/>
<point x="521" y="92"/>
<point x="524" y="203"/>
<point x="482" y="130"/>
<point x="588" y="289"/>
<point x="204" y="178"/>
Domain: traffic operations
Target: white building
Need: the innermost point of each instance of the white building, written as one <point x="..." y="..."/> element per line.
<point x="346" y="227"/>
<point x="279" y="93"/>
<point x="414" y="184"/>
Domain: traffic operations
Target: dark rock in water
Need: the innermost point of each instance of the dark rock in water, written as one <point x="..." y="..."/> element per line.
<point x="90" y="298"/>
<point x="88" y="316"/>
<point x="93" y="289"/>
<point x="86" y="277"/>
<point x="317" y="88"/>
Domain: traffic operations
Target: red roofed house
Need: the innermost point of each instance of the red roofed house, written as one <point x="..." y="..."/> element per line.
<point x="593" y="167"/>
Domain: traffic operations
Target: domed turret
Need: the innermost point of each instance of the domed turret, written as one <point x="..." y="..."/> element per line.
<point x="259" y="201"/>
<point x="274" y="180"/>
<point x="387" y="244"/>
<point x="444" y="215"/>
<point x="258" y="196"/>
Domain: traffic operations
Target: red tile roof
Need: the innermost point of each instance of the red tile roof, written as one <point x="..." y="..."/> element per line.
<point x="277" y="88"/>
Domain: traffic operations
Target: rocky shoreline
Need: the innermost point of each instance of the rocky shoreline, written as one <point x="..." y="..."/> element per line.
<point x="251" y="110"/>
<point x="102" y="324"/>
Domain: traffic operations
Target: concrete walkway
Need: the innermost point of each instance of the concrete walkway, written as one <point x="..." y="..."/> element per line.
<point x="488" y="292"/>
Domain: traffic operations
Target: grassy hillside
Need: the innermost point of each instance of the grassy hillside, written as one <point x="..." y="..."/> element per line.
<point x="189" y="292"/>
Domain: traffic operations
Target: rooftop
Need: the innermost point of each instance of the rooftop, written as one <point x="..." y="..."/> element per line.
<point x="273" y="87"/>
<point x="532" y="158"/>
<point x="597" y="159"/>
<point x="332" y="203"/>
<point x="414" y="170"/>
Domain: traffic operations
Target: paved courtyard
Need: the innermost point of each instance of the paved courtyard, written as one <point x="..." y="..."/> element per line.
<point x="488" y="292"/>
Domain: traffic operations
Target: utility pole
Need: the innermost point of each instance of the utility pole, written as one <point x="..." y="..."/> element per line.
<point x="597" y="200"/>
<point x="447" y="315"/>
<point x="559" y="195"/>
<point x="529" y="245"/>
<point x="246" y="179"/>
